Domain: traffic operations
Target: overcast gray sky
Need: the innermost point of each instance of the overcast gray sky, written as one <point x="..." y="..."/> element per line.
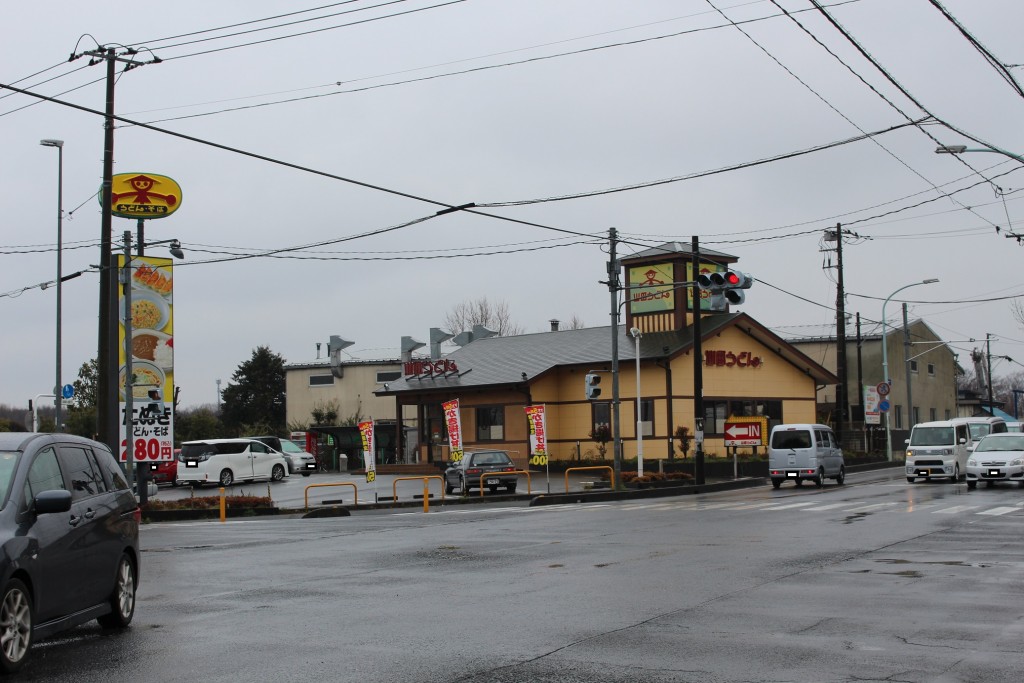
<point x="492" y="101"/>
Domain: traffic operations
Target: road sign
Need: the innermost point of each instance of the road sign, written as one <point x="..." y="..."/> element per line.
<point x="67" y="391"/>
<point x="883" y="406"/>
<point x="883" y="388"/>
<point x="746" y="431"/>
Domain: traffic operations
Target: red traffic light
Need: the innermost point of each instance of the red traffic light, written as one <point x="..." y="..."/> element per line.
<point x="732" y="278"/>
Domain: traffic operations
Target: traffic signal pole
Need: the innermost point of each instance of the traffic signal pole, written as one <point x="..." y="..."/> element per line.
<point x="613" y="289"/>
<point x="698" y="372"/>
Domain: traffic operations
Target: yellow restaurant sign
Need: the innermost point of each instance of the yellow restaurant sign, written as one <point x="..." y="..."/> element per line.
<point x="143" y="195"/>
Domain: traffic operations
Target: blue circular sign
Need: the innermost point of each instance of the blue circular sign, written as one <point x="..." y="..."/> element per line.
<point x="67" y="391"/>
<point x="883" y="406"/>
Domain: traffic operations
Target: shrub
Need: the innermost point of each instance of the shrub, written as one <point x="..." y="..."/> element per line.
<point x="208" y="502"/>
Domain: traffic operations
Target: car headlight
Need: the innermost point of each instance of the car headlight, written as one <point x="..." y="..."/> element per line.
<point x="971" y="462"/>
<point x="910" y="453"/>
<point x="1016" y="461"/>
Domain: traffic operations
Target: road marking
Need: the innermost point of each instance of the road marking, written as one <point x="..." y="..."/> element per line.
<point x="954" y="510"/>
<point x="789" y="505"/>
<point x="833" y="506"/>
<point x="999" y="511"/>
<point x="869" y="508"/>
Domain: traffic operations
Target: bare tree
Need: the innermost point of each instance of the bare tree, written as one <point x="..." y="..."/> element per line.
<point x="575" y="323"/>
<point x="493" y="316"/>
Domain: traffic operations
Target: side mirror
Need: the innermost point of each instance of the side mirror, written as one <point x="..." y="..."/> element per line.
<point x="962" y="440"/>
<point x="906" y="441"/>
<point x="57" y="500"/>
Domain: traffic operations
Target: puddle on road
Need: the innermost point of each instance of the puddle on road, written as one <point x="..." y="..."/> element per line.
<point x="855" y="517"/>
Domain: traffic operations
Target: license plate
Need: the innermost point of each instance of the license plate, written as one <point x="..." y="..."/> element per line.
<point x="995" y="473"/>
<point x="924" y="473"/>
<point x="794" y="475"/>
<point x="191" y="463"/>
<point x="310" y="465"/>
<point x="492" y="482"/>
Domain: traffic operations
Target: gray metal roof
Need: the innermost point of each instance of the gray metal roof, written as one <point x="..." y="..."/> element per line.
<point x="505" y="360"/>
<point x="669" y="248"/>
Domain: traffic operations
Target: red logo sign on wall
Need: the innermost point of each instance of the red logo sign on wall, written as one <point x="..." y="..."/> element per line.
<point x="426" y="368"/>
<point x="728" y="359"/>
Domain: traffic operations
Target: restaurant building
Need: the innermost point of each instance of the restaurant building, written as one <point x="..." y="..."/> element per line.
<point x="747" y="371"/>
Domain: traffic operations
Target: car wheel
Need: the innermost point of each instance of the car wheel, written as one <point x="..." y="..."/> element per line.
<point x="277" y="473"/>
<point x="971" y="485"/>
<point x="910" y="480"/>
<point x="511" y="488"/>
<point x="776" y="483"/>
<point x="15" y="626"/>
<point x="226" y="478"/>
<point x="819" y="480"/>
<point x="956" y="473"/>
<point x="463" y="486"/>
<point x="122" y="600"/>
<point x="841" y="477"/>
<point x="448" y="488"/>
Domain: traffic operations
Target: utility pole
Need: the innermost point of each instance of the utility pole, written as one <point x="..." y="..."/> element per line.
<point x="988" y="353"/>
<point x="613" y="289"/>
<point x="860" y="386"/>
<point x="698" y="370"/>
<point x="906" y="369"/>
<point x="107" y="404"/>
<point x="842" y="390"/>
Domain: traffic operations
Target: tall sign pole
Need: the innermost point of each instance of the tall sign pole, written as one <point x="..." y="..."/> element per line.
<point x="107" y="404"/>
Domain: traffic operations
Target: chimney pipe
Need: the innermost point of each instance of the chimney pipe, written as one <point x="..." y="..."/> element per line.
<point x="554" y="324"/>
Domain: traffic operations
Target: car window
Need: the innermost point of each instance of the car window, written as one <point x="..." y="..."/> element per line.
<point x="43" y="475"/>
<point x="490" y="459"/>
<point x="82" y="472"/>
<point x="8" y="466"/>
<point x="231" y="447"/>
<point x="961" y="433"/>
<point x="794" y="439"/>
<point x="115" y="477"/>
<point x="931" y="436"/>
<point x="1008" y="443"/>
<point x="289" y="447"/>
<point x="258" y="447"/>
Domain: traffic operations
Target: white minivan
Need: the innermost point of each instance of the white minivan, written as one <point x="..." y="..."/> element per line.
<point x="225" y="461"/>
<point x="939" y="450"/>
<point x="804" y="452"/>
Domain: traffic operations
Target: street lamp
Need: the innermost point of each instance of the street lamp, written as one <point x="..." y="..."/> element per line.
<point x="885" y="362"/>
<point x="639" y="413"/>
<point x="59" y="144"/>
<point x="960" y="149"/>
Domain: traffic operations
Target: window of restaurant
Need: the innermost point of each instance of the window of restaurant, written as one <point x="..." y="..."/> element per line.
<point x="490" y="423"/>
<point x="717" y="412"/>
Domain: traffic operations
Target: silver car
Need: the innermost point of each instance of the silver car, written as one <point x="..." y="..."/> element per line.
<point x="997" y="457"/>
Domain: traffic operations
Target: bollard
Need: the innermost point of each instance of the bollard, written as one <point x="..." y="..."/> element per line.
<point x="223" y="505"/>
<point x="426" y="496"/>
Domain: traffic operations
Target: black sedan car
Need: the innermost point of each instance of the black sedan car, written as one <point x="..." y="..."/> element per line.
<point x="69" y="540"/>
<point x="466" y="474"/>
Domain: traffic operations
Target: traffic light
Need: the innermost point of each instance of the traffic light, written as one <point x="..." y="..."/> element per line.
<point x="593" y="381"/>
<point x="724" y="287"/>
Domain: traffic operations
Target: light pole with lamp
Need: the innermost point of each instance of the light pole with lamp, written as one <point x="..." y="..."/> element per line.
<point x="885" y="363"/>
<point x="59" y="144"/>
<point x="639" y="416"/>
<point x="960" y="149"/>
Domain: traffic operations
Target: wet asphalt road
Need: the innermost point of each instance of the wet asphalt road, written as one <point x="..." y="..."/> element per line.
<point x="879" y="580"/>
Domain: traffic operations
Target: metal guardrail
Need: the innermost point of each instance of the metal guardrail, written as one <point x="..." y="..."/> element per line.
<point x="493" y="474"/>
<point x="592" y="467"/>
<point x="426" y="490"/>
<point x="342" y="483"/>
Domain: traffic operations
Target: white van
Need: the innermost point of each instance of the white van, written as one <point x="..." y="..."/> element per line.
<point x="225" y="461"/>
<point x="939" y="450"/>
<point x="802" y="452"/>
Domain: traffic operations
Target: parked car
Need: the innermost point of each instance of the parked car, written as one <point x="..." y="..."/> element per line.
<point x="299" y="461"/>
<point x="165" y="471"/>
<point x="225" y="461"/>
<point x="465" y="474"/>
<point x="802" y="452"/>
<point x="997" y="457"/>
<point x="69" y="529"/>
